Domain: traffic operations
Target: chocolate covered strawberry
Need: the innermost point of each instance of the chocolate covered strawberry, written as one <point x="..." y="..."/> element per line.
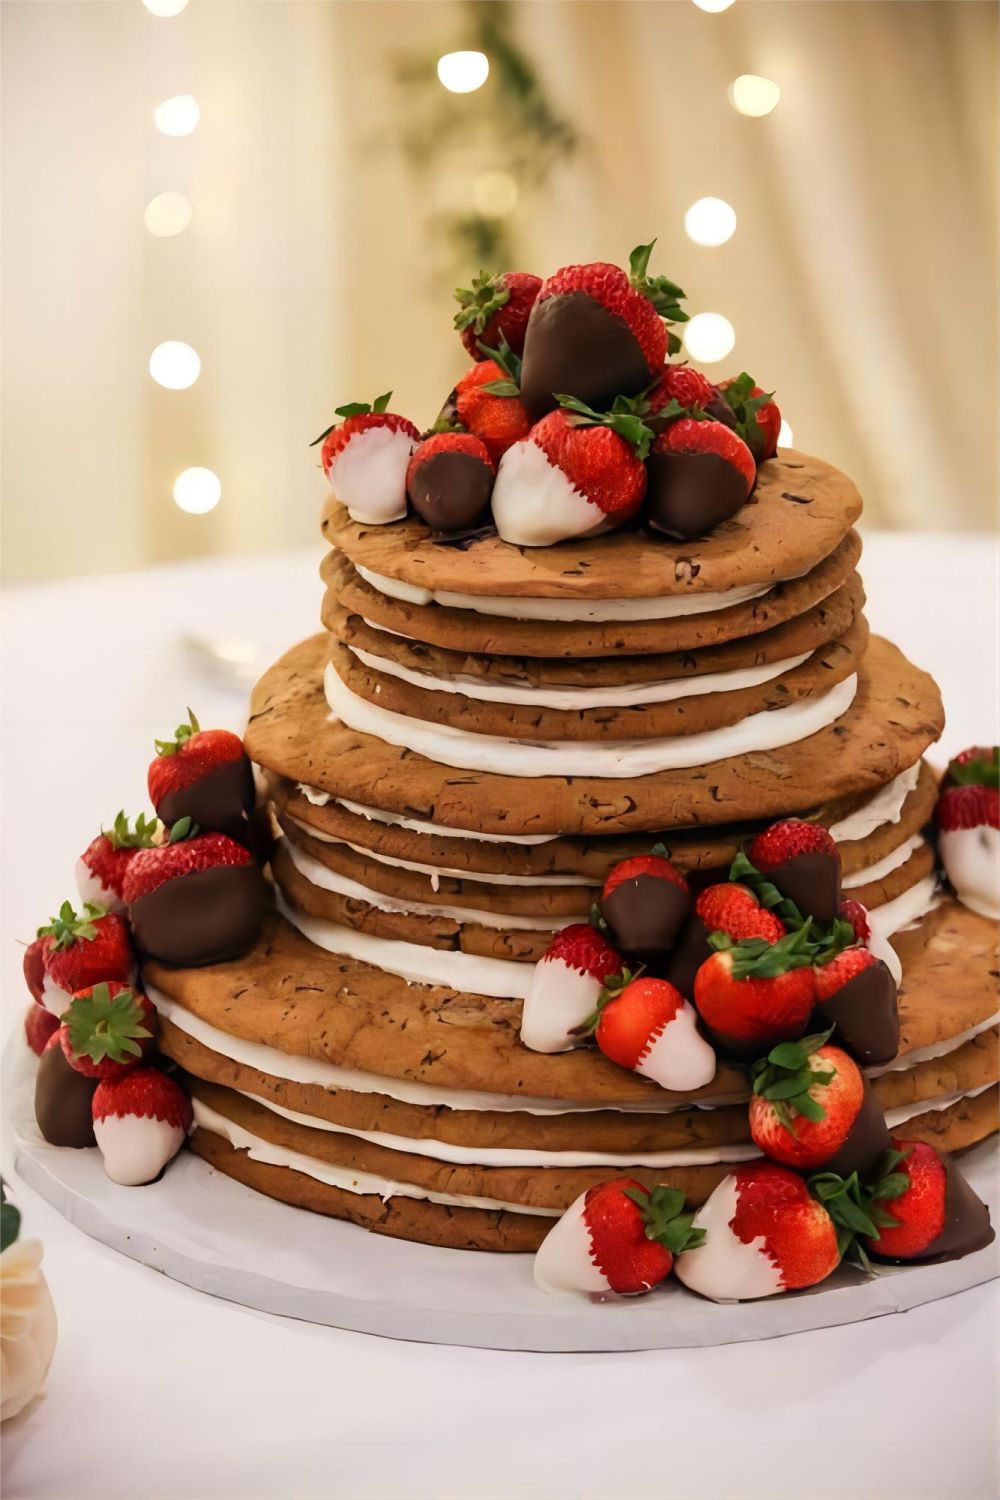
<point x="979" y="765"/>
<point x="365" y="459"/>
<point x="81" y="951"/>
<point x="107" y="1030"/>
<point x="649" y="1027"/>
<point x="619" y="1237"/>
<point x="924" y="1208"/>
<point x="63" y="1099"/>
<point x="968" y="821"/>
<point x="204" y="775"/>
<point x="812" y="1107"/>
<point x="700" y="473"/>
<point x="487" y="402"/>
<point x="856" y="993"/>
<point x="644" y="901"/>
<point x="574" y="475"/>
<point x="803" y="861"/>
<point x="758" y="420"/>
<point x="857" y="915"/>
<point x="596" y="333"/>
<point x="753" y="994"/>
<point x="101" y="867"/>
<point x="764" y="1232"/>
<point x="566" y="986"/>
<point x="39" y="1024"/>
<point x="141" y="1120"/>
<point x="450" y="480"/>
<point x="199" y="899"/>
<point x="495" y="308"/>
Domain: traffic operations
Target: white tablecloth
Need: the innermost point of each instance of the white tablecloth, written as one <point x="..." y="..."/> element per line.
<point x="159" y="1392"/>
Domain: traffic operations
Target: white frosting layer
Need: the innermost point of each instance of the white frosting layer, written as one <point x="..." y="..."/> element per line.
<point x="936" y="1049"/>
<point x="971" y="857"/>
<point x="896" y="1117"/>
<point x="679" y="1059"/>
<point x="417" y="825"/>
<point x="369" y="475"/>
<point x="885" y="806"/>
<point x="564" y="1261"/>
<point x="660" y="607"/>
<point x="535" y="504"/>
<point x="724" y="1268"/>
<point x="136" y="1148"/>
<point x="330" y="880"/>
<point x="608" y="759"/>
<point x="577" y="698"/>
<point x="904" y="910"/>
<point x="342" y="1177"/>
<point x="883" y="867"/>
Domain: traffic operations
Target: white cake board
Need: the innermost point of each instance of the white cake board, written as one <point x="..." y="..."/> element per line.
<point x="202" y="1228"/>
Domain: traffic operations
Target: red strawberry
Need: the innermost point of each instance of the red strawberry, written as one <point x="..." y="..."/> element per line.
<point x="856" y="993"/>
<point x="618" y="1237"/>
<point x="495" y="308"/>
<point x="688" y="435"/>
<point x="33" y="965"/>
<point x="755" y="993"/>
<point x="141" y="1120"/>
<point x="965" y="807"/>
<point x="977" y="766"/>
<point x="365" y="459"/>
<point x="735" y="910"/>
<point x="101" y="867"/>
<point x="39" y="1024"/>
<point x="196" y="901"/>
<point x="700" y="474"/>
<point x="596" y="333"/>
<point x="204" y="775"/>
<point x="644" y="901"/>
<point x="758" y="418"/>
<point x="684" y="387"/>
<point x="803" y="861"/>
<point x="649" y="1027"/>
<point x="107" y="1030"/>
<point x="573" y="476"/>
<point x="566" y="986"/>
<point x="968" y="819"/>
<point x="853" y="912"/>
<point x="924" y="1208"/>
<point x="450" y="480"/>
<point x="83" y="951"/>
<point x="812" y="1108"/>
<point x="487" y="403"/>
<point x="765" y="1233"/>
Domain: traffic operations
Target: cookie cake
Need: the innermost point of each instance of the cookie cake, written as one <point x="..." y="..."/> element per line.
<point x="581" y="887"/>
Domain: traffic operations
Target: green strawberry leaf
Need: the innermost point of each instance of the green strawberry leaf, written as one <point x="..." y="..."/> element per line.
<point x="67" y="928"/>
<point x="978" y="772"/>
<point x="478" y="303"/>
<point x="505" y="357"/>
<point x="182" y="734"/>
<point x="184" y="828"/>
<point x="502" y="388"/>
<point x="103" y="1025"/>
<point x="121" y="835"/>
<point x="665" y="295"/>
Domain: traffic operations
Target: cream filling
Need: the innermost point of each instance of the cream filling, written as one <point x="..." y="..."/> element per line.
<point x="329" y="880"/>
<point x="885" y="806"/>
<point x="883" y="867"/>
<point x="935" y="1049"/>
<point x="905" y="910"/>
<point x="606" y="760"/>
<point x="417" y="825"/>
<point x="895" y="1117"/>
<point x="659" y="607"/>
<point x="582" y="698"/>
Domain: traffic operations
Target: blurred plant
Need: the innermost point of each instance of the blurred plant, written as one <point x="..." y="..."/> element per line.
<point x="482" y="154"/>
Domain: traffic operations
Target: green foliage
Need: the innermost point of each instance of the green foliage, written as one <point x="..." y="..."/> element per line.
<point x="10" y="1219"/>
<point x="67" y="927"/>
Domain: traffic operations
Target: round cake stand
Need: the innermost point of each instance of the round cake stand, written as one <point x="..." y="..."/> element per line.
<point x="210" y="1232"/>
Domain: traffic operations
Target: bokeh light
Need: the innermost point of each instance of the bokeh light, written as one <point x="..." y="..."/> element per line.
<point x="177" y="116"/>
<point x="168" y="214"/>
<point x="709" y="337"/>
<point x="165" y="7"/>
<point x="197" y="491"/>
<point x="463" y="72"/>
<point x="752" y="95"/>
<point x="710" y="221"/>
<point x="174" y="365"/>
<point x="713" y="6"/>
<point x="786" y="437"/>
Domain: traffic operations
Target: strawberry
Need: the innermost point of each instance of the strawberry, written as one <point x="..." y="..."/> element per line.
<point x="765" y="1233"/>
<point x="450" y="480"/>
<point x="33" y="965"/>
<point x="683" y="386"/>
<point x="39" y="1024"/>
<point x="573" y="476"/>
<point x="968" y="820"/>
<point x="802" y="860"/>
<point x="977" y="766"/>
<point x="923" y="1208"/>
<point x="753" y="994"/>
<point x="649" y="1027"/>
<point x="566" y="986"/>
<point x="196" y="900"/>
<point x="734" y="910"/>
<point x="758" y="420"/>
<point x="598" y="333"/>
<point x="700" y="474"/>
<point x="856" y="993"/>
<point x="811" y="1108"/>
<point x="365" y="457"/>
<point x="618" y="1237"/>
<point x="644" y="901"/>
<point x="83" y="950"/>
<point x="487" y="403"/>
<point x="495" y="308"/>
<point x="101" y="867"/>
<point x="141" y="1120"/>
<point x="63" y="1099"/>
<point x="107" y="1030"/>
<point x="204" y="775"/>
<point x="689" y="435"/>
<point x="857" y="915"/>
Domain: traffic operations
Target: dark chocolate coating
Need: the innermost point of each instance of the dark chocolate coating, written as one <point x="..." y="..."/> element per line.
<point x="687" y="956"/>
<point x="966" y="1227"/>
<point x="645" y="914"/>
<point x="812" y="881"/>
<point x="866" y="1141"/>
<point x="575" y="347"/>
<point x="721" y="411"/>
<point x="217" y="801"/>
<point x="203" y="918"/>
<point x="866" y="1016"/>
<point x="62" y="1101"/>
<point x="451" y="491"/>
<point x="689" y="494"/>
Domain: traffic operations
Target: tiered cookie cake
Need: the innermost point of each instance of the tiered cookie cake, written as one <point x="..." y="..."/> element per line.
<point x="487" y="725"/>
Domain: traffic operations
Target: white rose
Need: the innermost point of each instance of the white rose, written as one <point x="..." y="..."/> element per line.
<point x="27" y="1325"/>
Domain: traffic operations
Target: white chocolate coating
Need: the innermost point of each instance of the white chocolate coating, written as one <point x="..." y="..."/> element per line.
<point x="535" y="503"/>
<point x="136" y="1148"/>
<point x="679" y="1059"/>
<point x="564" y="1261"/>
<point x="559" y="999"/>
<point x="724" y="1268"/>
<point x="971" y="858"/>
<point x="369" y="475"/>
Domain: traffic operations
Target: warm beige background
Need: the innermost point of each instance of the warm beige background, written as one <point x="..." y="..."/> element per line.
<point x="860" y="280"/>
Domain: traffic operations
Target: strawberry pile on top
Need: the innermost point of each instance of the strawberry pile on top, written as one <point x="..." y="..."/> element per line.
<point x="571" y="421"/>
<point x="184" y="885"/>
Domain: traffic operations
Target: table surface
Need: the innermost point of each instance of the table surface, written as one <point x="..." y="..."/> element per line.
<point x="160" y="1392"/>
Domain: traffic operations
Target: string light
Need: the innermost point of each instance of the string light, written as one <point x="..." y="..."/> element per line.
<point x="786" y="437"/>
<point x="165" y="7"/>
<point x="197" y="491"/>
<point x="463" y="72"/>
<point x="713" y="6"/>
<point x="710" y="221"/>
<point x="752" y="95"/>
<point x="709" y="337"/>
<point x="174" y="365"/>
<point x="177" y="116"/>
<point x="168" y="214"/>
